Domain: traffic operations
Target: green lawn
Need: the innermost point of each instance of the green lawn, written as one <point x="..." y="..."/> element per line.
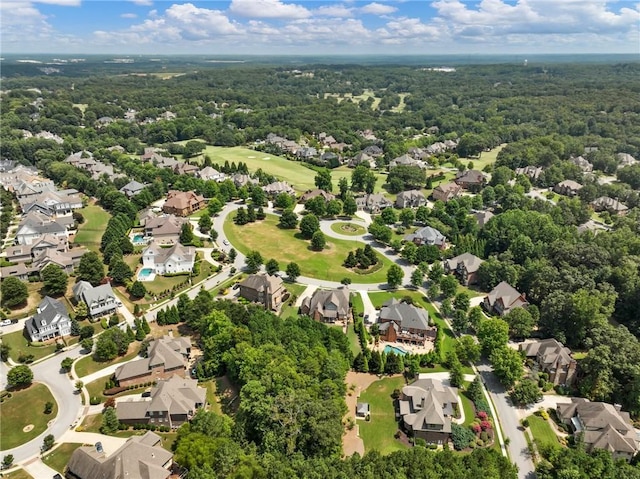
<point x="348" y="229"/>
<point x="163" y="283"/>
<point x="14" y="416"/>
<point x="354" y="340"/>
<point x="90" y="232"/>
<point x="542" y="432"/>
<point x="19" y="474"/>
<point x="378" y="433"/>
<point x="59" y="458"/>
<point x="356" y="304"/>
<point x="448" y="338"/>
<point x="290" y="309"/>
<point x="88" y="365"/>
<point x="95" y="388"/>
<point x="295" y="173"/>
<point x="19" y="344"/>
<point x="285" y="247"/>
<point x="345" y="172"/>
<point x="469" y="410"/>
<point x="486" y="158"/>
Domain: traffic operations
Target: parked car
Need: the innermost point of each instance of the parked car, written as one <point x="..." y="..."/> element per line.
<point x="225" y="242"/>
<point x="6" y="322"/>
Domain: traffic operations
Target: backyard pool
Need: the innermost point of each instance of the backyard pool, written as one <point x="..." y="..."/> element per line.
<point x="138" y="239"/>
<point x="394" y="349"/>
<point x="146" y="274"/>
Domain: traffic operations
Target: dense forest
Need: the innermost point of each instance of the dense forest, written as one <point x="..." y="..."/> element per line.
<point x="584" y="287"/>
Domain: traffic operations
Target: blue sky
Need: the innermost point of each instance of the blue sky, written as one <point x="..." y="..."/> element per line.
<point x="320" y="27"/>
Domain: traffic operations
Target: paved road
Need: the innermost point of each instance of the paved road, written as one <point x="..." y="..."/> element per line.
<point x="63" y="390"/>
<point x="510" y="422"/>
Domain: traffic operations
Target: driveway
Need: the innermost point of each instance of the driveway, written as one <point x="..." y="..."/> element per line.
<point x="510" y="422"/>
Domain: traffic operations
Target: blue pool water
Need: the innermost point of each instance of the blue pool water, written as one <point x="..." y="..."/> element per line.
<point x="393" y="349"/>
<point x="145" y="273"/>
<point x="138" y="239"/>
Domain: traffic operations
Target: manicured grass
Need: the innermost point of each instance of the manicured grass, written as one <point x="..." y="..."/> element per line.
<point x="290" y="310"/>
<point x="168" y="438"/>
<point x="212" y="398"/>
<point x="354" y="340"/>
<point x="93" y="422"/>
<point x="486" y="158"/>
<point x="95" y="388"/>
<point x="59" y="458"/>
<point x="133" y="261"/>
<point x="378" y="298"/>
<point x="377" y="434"/>
<point x="284" y="246"/>
<point x="19" y="474"/>
<point x="295" y="173"/>
<point x="14" y="416"/>
<point x="357" y="304"/>
<point x="88" y="365"/>
<point x="348" y="229"/>
<point x="20" y="344"/>
<point x="469" y="410"/>
<point x="163" y="283"/>
<point x="90" y="232"/>
<point x="542" y="432"/>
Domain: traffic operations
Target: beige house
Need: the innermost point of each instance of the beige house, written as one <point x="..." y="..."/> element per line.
<point x="141" y="457"/>
<point x="183" y="203"/>
<point x="172" y="402"/>
<point x="504" y="298"/>
<point x="264" y="289"/>
<point x="446" y="191"/>
<point x="327" y="306"/>
<point x="427" y="408"/>
<point x="400" y="322"/>
<point x="464" y="266"/>
<point x="166" y="356"/>
<point x="602" y="426"/>
<point x="554" y="359"/>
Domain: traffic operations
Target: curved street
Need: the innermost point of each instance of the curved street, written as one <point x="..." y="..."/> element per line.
<point x="71" y="411"/>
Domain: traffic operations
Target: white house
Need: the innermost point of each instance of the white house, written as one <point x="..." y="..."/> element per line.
<point x="100" y="300"/>
<point x="51" y="320"/>
<point x="175" y="259"/>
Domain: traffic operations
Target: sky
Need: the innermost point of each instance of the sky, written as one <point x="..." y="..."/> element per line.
<point x="235" y="27"/>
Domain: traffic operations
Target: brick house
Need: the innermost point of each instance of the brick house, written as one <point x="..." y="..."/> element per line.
<point x="464" y="266"/>
<point x="264" y="289"/>
<point x="166" y="356"/>
<point x="327" y="306"/>
<point x="401" y="322"/>
<point x="183" y="203"/>
<point x="504" y="298"/>
<point x="554" y="359"/>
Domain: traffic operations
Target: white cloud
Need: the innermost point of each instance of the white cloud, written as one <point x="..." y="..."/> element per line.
<point x="268" y="9"/>
<point x="143" y="3"/>
<point x="129" y="15"/>
<point x="378" y="9"/>
<point x="339" y="11"/>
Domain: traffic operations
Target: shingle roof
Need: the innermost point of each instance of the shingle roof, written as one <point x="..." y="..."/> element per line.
<point x="262" y="282"/>
<point x="328" y="303"/>
<point x="167" y="351"/>
<point x="428" y="401"/>
<point x="506" y="293"/>
<point x="428" y="235"/>
<point x="407" y="316"/>
<point x="470" y="261"/>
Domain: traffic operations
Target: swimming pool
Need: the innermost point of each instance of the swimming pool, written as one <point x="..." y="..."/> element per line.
<point x="394" y="349"/>
<point x="146" y="274"/>
<point x="138" y="239"/>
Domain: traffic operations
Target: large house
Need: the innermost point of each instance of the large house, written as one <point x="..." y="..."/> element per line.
<point x="100" y="300"/>
<point x="166" y="356"/>
<point x="504" y="298"/>
<point x="567" y="188"/>
<point x="410" y="199"/>
<point x="35" y="225"/>
<point x="602" y="426"/>
<point x="264" y="289"/>
<point x="327" y="306"/>
<point x="172" y="402"/>
<point x="552" y="358"/>
<point x="164" y="229"/>
<point x="183" y="203"/>
<point x="530" y="171"/>
<point x="51" y="320"/>
<point x="464" y="266"/>
<point x="141" y="457"/>
<point x="483" y="217"/>
<point x="613" y="206"/>
<point x="405" y="323"/>
<point x="172" y="260"/>
<point x="446" y="191"/>
<point x="582" y="163"/>
<point x="277" y="187"/>
<point x="429" y="236"/>
<point x="208" y="173"/>
<point x="427" y="408"/>
<point x="132" y="188"/>
<point x="326" y="196"/>
<point x="470" y="179"/>
<point x="373" y="203"/>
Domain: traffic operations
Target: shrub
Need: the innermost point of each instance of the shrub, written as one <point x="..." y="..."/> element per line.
<point x="485" y="425"/>
<point x="48" y="407"/>
<point x="547" y="386"/>
<point x="475" y="427"/>
<point x="419" y="442"/>
<point x="525" y="422"/>
<point x="93" y="400"/>
<point x="484" y="436"/>
<point x="482" y="415"/>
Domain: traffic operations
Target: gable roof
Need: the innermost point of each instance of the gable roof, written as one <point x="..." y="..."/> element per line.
<point x="507" y="295"/>
<point x="552" y="352"/>
<point x="469" y="177"/>
<point x="405" y="315"/>
<point x="470" y="262"/>
<point x="427" y="235"/>
<point x="331" y="303"/>
<point x="180" y="200"/>
<point x="428" y="402"/>
<point x="167" y="351"/>
<point x="90" y="294"/>
<point x="135" y="459"/>
<point x="317" y="192"/>
<point x="50" y="312"/>
<point x="483" y="217"/>
<point x="162" y="255"/>
<point x="262" y="282"/>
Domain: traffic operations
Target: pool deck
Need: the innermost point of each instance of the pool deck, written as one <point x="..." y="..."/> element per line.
<point x="408" y="348"/>
<point x="145" y="278"/>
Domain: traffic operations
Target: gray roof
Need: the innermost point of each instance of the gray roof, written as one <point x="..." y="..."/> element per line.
<point x="552" y="352"/>
<point x="483" y="217"/>
<point x="409" y="196"/>
<point x="50" y="311"/>
<point x="135" y="459"/>
<point x="427" y="235"/>
<point x="428" y="401"/>
<point x="507" y="294"/>
<point x="161" y="255"/>
<point x="132" y="188"/>
<point x="328" y="303"/>
<point x="470" y="262"/>
<point x="405" y="315"/>
<point x="262" y="282"/>
<point x="167" y="351"/>
<point x="89" y="294"/>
